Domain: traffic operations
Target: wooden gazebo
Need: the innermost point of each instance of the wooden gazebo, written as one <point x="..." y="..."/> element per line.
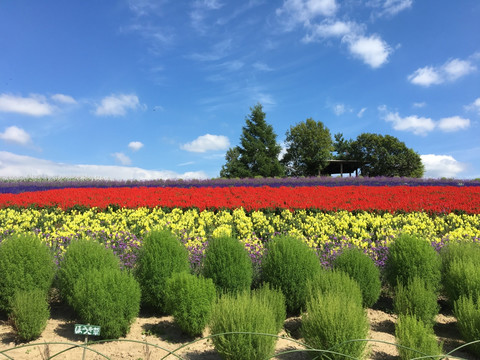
<point x="341" y="167"/>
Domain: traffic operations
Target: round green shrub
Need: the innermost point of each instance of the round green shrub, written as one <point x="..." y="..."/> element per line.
<point x="161" y="255"/>
<point x="411" y="256"/>
<point x="109" y="298"/>
<point x="334" y="281"/>
<point x="416" y="298"/>
<point x="362" y="269"/>
<point x="243" y="312"/>
<point x="467" y="312"/>
<point x="82" y="256"/>
<point x="332" y="319"/>
<point x="228" y="264"/>
<point x="416" y="339"/>
<point x="25" y="264"/>
<point x="288" y="264"/>
<point x="275" y="300"/>
<point x="30" y="313"/>
<point x="190" y="300"/>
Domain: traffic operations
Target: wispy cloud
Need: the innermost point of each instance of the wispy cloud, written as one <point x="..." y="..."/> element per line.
<point x="135" y="145"/>
<point x="63" y="99"/>
<point x="19" y="166"/>
<point x="389" y="7"/>
<point x="117" y="105"/>
<point x="33" y="105"/>
<point x="295" y="12"/>
<point x="217" y="52"/>
<point x="438" y="166"/>
<point x="261" y="67"/>
<point x="122" y="158"/>
<point x="475" y="106"/>
<point x="450" y="71"/>
<point x="361" y="112"/>
<point x="419" y="104"/>
<point x="200" y="11"/>
<point x="206" y="143"/>
<point x="330" y="28"/>
<point x="16" y="135"/>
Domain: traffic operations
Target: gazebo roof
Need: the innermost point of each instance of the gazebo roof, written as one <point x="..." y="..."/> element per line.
<point x="341" y="167"/>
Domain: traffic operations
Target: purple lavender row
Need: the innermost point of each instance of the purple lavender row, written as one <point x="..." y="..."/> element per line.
<point x="19" y="186"/>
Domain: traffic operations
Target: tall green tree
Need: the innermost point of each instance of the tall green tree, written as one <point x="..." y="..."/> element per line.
<point x="341" y="147"/>
<point x="309" y="147"/>
<point x="385" y="156"/>
<point x="257" y="154"/>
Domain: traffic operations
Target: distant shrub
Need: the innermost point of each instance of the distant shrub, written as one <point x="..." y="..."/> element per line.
<point x="25" y="264"/>
<point x="227" y="263"/>
<point x="411" y="256"/>
<point x="109" y="298"/>
<point x="82" y="256"/>
<point x="275" y="300"/>
<point x="467" y="312"/>
<point x="190" y="300"/>
<point x="243" y="312"/>
<point x="30" y="313"/>
<point x="334" y="281"/>
<point x="161" y="255"/>
<point x="330" y="320"/>
<point x="288" y="264"/>
<point x="460" y="269"/>
<point x="412" y="334"/>
<point x="362" y="269"/>
<point x="416" y="298"/>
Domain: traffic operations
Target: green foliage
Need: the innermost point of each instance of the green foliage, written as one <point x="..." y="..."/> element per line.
<point x="415" y="335"/>
<point x="385" y="156"/>
<point x="288" y="264"/>
<point x="25" y="264"/>
<point x="331" y="319"/>
<point x="309" y="146"/>
<point x="460" y="269"/>
<point x="83" y="256"/>
<point x="243" y="312"/>
<point x="416" y="298"/>
<point x="109" y="298"/>
<point x="341" y="147"/>
<point x="362" y="269"/>
<point x="30" y="313"/>
<point x="190" y="300"/>
<point x="411" y="256"/>
<point x="258" y="151"/>
<point x="334" y="281"/>
<point x="228" y="264"/>
<point x="467" y="312"/>
<point x="275" y="300"/>
<point x="161" y="255"/>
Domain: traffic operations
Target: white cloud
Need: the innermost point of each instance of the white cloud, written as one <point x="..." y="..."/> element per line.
<point x="453" y="123"/>
<point x="329" y="28"/>
<point x="475" y="106"/>
<point x="295" y="12"/>
<point x="437" y="166"/>
<point x="448" y="72"/>
<point x="261" y="66"/>
<point x="217" y="52"/>
<point x="122" y="158"/>
<point x="417" y="125"/>
<point x="207" y="143"/>
<point x="389" y="7"/>
<point x="64" y="99"/>
<point x="419" y="104"/>
<point x="339" y="109"/>
<point x="361" y="112"/>
<point x="34" y="105"/>
<point x="117" y="105"/>
<point x="372" y="50"/>
<point x="19" y="166"/>
<point x="15" y="135"/>
<point x="135" y="145"/>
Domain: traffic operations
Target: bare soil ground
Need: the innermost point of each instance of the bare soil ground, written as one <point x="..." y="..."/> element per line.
<point x="163" y="332"/>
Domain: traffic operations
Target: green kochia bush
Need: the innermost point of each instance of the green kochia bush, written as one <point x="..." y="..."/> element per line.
<point x="227" y="263"/>
<point x="467" y="312"/>
<point x="83" y="256"/>
<point x="332" y="319"/>
<point x="25" y="264"/>
<point x="416" y="338"/>
<point x="288" y="264"/>
<point x="362" y="269"/>
<point x="411" y="256"/>
<point x="243" y="312"/>
<point x="275" y="300"/>
<point x="416" y="298"/>
<point x="30" y="313"/>
<point x="190" y="300"/>
<point x="109" y="298"/>
<point x="161" y="255"/>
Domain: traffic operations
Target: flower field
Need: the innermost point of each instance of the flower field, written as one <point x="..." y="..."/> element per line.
<point x="328" y="214"/>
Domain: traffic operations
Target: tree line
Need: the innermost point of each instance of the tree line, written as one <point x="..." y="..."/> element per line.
<point x="309" y="147"/>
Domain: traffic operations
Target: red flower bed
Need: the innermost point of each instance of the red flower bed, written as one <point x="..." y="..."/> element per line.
<point x="435" y="199"/>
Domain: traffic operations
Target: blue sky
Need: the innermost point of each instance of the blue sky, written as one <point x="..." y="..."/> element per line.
<point x="160" y="88"/>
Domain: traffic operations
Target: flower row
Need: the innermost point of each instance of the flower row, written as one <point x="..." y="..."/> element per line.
<point x="431" y="199"/>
